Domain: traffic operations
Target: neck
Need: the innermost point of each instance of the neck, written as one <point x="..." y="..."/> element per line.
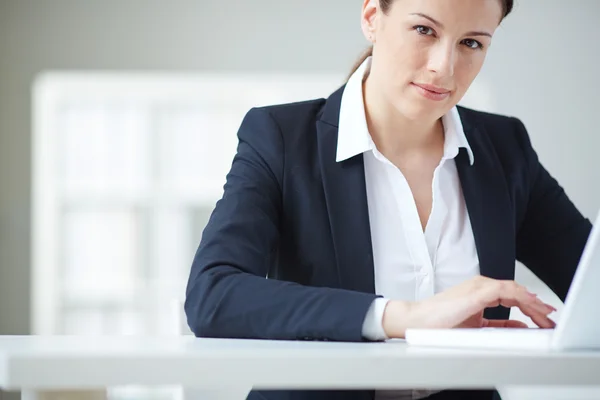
<point x="395" y="134"/>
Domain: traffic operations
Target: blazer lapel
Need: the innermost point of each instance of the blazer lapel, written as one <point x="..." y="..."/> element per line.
<point x="489" y="208"/>
<point x="484" y="188"/>
<point x="346" y="201"/>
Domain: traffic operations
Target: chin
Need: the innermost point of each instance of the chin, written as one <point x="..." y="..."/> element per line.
<point x="419" y="111"/>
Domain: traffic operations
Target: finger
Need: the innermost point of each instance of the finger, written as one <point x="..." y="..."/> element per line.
<point x="537" y="305"/>
<point x="524" y="302"/>
<point x="505" y="323"/>
<point x="539" y="302"/>
<point x="511" y="294"/>
<point x="538" y="311"/>
<point x="540" y="319"/>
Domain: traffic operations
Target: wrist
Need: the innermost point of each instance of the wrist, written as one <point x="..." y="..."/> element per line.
<point x="395" y="318"/>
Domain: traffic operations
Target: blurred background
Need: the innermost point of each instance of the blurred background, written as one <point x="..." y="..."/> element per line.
<point x="118" y="123"/>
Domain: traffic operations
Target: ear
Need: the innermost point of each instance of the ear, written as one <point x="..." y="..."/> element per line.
<point x="369" y="19"/>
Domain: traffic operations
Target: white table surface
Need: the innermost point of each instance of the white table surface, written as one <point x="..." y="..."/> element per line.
<point x="62" y="362"/>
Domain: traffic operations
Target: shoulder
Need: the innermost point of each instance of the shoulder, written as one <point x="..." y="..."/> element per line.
<point x="494" y="122"/>
<point x="289" y="115"/>
<point x="272" y="133"/>
<point x="507" y="134"/>
<point x="502" y="143"/>
<point x="281" y="131"/>
<point x="296" y="120"/>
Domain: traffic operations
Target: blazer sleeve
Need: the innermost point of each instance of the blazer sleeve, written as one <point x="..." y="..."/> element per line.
<point x="553" y="233"/>
<point x="227" y="293"/>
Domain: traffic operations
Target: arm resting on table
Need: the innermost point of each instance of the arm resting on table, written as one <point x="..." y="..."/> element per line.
<point x="228" y="294"/>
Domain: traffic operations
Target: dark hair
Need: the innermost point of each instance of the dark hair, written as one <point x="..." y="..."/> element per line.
<point x="507" y="6"/>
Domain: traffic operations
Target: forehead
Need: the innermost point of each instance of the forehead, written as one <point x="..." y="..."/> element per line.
<point x="466" y="14"/>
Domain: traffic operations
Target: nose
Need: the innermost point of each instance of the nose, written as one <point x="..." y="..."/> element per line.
<point x="442" y="58"/>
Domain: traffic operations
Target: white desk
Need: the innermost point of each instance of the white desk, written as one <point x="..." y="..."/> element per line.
<point x="46" y="363"/>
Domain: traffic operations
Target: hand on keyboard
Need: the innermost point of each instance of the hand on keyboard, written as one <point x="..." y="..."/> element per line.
<point x="463" y="305"/>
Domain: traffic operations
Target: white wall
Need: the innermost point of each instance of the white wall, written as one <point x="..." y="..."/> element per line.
<point x="541" y="68"/>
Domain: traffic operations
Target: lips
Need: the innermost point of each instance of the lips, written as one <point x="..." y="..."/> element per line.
<point x="432" y="88"/>
<point x="432" y="92"/>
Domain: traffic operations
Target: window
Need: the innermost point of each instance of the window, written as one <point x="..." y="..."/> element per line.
<point x="127" y="169"/>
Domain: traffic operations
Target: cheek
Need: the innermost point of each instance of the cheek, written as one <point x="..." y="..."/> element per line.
<point x="466" y="71"/>
<point x="405" y="50"/>
<point x="416" y="52"/>
<point x="408" y="63"/>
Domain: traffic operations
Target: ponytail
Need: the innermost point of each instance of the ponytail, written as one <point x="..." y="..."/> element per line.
<point x="366" y="54"/>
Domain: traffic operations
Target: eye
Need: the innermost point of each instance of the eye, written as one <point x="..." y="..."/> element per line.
<point x="472" y="44"/>
<point x="423" y="30"/>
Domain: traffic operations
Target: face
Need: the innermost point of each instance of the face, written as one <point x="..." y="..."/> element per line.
<point x="426" y="53"/>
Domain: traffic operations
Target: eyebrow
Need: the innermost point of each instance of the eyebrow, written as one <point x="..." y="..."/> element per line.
<point x="438" y="23"/>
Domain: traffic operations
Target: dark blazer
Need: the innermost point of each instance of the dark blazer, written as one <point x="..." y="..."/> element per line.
<point x="291" y="213"/>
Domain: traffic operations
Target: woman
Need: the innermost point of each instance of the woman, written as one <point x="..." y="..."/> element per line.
<point x="385" y="206"/>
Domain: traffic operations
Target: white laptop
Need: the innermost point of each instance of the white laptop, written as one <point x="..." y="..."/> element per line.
<point x="577" y="329"/>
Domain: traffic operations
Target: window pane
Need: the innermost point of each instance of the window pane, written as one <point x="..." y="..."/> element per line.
<point x="125" y="321"/>
<point x="110" y="320"/>
<point x="83" y="322"/>
<point x="100" y="253"/>
<point x="171" y="248"/>
<point x="104" y="150"/>
<point x="196" y="148"/>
